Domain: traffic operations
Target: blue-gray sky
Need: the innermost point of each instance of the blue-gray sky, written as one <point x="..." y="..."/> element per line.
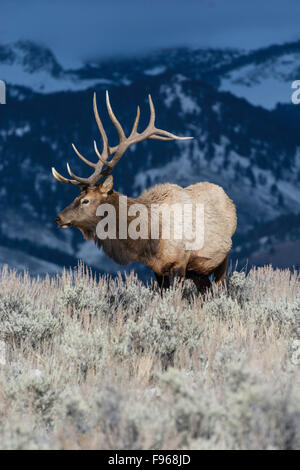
<point x="78" y="29"/>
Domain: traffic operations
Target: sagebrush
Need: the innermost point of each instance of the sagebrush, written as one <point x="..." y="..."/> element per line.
<point x="106" y="363"/>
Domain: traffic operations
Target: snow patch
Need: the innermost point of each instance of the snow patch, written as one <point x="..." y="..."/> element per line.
<point x="187" y="103"/>
<point x="155" y="70"/>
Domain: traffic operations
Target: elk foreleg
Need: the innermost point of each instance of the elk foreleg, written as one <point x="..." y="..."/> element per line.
<point x="163" y="281"/>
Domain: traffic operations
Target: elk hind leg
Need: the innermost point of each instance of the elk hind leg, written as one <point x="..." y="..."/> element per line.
<point x="220" y="271"/>
<point x="201" y="281"/>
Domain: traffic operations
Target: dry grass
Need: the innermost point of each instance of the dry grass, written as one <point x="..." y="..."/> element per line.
<point x="109" y="364"/>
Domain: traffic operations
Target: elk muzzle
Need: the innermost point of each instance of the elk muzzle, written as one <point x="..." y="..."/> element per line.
<point x="61" y="222"/>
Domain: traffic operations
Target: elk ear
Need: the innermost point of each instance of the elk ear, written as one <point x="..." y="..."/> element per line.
<point x="107" y="184"/>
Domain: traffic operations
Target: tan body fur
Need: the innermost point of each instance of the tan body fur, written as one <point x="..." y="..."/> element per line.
<point x="219" y="226"/>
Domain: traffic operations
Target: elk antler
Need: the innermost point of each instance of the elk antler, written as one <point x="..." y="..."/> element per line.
<point x="151" y="132"/>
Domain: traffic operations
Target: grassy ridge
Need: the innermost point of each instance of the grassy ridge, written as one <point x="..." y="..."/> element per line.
<point x="110" y="364"/>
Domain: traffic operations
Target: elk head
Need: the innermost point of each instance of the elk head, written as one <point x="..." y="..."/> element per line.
<point x="81" y="213"/>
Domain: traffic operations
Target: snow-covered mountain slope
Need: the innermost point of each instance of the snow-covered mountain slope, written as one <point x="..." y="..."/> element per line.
<point x="28" y="65"/>
<point x="194" y="63"/>
<point x="263" y="77"/>
<point x="261" y="86"/>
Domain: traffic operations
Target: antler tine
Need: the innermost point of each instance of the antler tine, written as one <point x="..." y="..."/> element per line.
<point x="165" y="135"/>
<point x="97" y="166"/>
<point x="160" y="137"/>
<point x="78" y="178"/>
<point x="62" y="179"/>
<point x="152" y="114"/>
<point x="100" y="126"/>
<point x="93" y="165"/>
<point x="105" y="162"/>
<point x="136" y="122"/>
<point x="115" y="121"/>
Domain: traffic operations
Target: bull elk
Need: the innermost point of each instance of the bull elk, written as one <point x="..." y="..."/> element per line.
<point x="165" y="256"/>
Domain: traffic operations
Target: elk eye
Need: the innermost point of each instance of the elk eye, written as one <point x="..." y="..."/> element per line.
<point x="85" y="201"/>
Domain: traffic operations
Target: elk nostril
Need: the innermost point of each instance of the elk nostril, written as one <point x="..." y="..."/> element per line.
<point x="57" y="219"/>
